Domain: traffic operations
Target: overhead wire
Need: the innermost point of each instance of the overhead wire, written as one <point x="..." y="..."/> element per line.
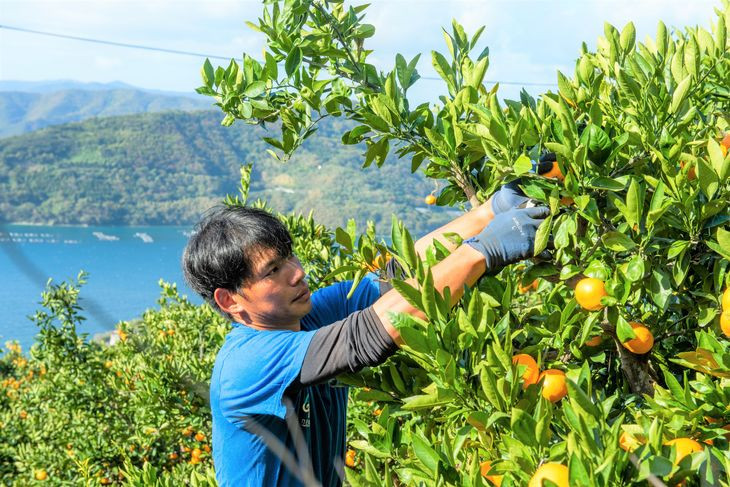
<point x="210" y="56"/>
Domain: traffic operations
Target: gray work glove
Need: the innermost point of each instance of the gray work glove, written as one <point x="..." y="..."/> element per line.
<point x="509" y="237"/>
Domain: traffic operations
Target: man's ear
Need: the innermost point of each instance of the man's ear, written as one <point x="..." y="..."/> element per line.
<point x="228" y="301"/>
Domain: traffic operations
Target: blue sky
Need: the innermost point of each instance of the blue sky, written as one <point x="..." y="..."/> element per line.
<point x="528" y="40"/>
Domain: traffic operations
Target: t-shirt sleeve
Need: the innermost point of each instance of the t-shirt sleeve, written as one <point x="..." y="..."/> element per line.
<point x="256" y="372"/>
<point x="330" y="304"/>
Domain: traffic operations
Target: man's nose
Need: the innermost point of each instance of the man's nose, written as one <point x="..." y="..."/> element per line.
<point x="298" y="271"/>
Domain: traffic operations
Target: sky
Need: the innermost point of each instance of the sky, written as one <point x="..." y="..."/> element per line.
<point x="528" y="40"/>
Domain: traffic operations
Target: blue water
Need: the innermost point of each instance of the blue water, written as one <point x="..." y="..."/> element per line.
<point x="123" y="273"/>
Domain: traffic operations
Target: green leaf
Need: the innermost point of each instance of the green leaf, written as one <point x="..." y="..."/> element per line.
<point x="660" y="288"/>
<point x="523" y="427"/>
<point x="293" y="60"/>
<point x="522" y="165"/>
<point x="634" y="203"/>
<point x="255" y="89"/>
<point x="617" y="241"/>
<point x="208" y="73"/>
<point x="624" y="332"/>
<point x="409" y="293"/>
<point x="717" y="159"/>
<point x="577" y="471"/>
<point x="543" y="234"/>
<point x="427" y="455"/>
<point x="680" y="94"/>
<point x="723" y="240"/>
<point x="709" y="182"/>
<point x="605" y="183"/>
<point x="628" y="37"/>
<point x="428" y="401"/>
<point x="635" y="269"/>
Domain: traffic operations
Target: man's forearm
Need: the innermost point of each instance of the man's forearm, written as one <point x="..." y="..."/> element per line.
<point x="466" y="226"/>
<point x="463" y="266"/>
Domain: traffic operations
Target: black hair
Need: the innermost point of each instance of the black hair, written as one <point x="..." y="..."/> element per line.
<point x="223" y="249"/>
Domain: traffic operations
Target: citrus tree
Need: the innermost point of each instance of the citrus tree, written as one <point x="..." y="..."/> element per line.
<point x="602" y="365"/>
<point x="80" y="412"/>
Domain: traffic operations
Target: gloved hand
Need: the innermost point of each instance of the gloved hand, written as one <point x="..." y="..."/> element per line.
<point x="510" y="195"/>
<point x="509" y="237"/>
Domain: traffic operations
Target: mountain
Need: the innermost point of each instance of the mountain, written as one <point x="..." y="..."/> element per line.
<point x="167" y="168"/>
<point x="22" y="112"/>
<point x="67" y="84"/>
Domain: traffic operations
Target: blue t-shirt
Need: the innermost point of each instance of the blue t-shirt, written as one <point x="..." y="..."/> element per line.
<point x="253" y="370"/>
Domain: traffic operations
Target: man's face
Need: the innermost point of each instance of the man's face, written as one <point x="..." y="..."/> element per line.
<point x="277" y="295"/>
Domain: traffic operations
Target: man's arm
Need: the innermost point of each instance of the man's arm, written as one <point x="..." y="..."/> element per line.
<point x="466" y="226"/>
<point x="462" y="266"/>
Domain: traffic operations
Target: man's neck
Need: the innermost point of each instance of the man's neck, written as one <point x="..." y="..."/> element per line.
<point x="267" y="326"/>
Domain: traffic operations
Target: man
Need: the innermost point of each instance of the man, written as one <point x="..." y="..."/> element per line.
<point x="287" y="343"/>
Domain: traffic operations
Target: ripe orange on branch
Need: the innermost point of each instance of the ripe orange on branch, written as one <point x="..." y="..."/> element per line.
<point x="588" y="293"/>
<point x="628" y="442"/>
<point x="430" y="200"/>
<point x="554" y="387"/>
<point x="484" y="469"/>
<point x="556" y="473"/>
<point x="643" y="342"/>
<point x="725" y="322"/>
<point x="594" y="341"/>
<point x="532" y="371"/>
<point x="684" y="447"/>
<point x="350" y="458"/>
<point x="532" y="286"/>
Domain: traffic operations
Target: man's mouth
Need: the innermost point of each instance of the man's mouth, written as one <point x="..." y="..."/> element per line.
<point x="302" y="296"/>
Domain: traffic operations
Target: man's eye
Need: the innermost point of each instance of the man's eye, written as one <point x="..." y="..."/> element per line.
<point x="272" y="271"/>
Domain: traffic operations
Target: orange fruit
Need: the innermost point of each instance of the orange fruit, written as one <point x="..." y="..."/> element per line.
<point x="199" y="436"/>
<point x="554" y="387"/>
<point x="532" y="371"/>
<point x="484" y="468"/>
<point x="187" y="431"/>
<point x="566" y="201"/>
<point x="430" y="200"/>
<point x="554" y="472"/>
<point x="684" y="447"/>
<point x="206" y="448"/>
<point x="691" y="174"/>
<point x="523" y="289"/>
<point x="723" y="149"/>
<point x="588" y="293"/>
<point x="643" y="342"/>
<point x="350" y="458"/>
<point x="726" y="300"/>
<point x="173" y="456"/>
<point x="628" y="442"/>
<point x="554" y="172"/>
<point x="41" y="475"/>
<point x="105" y="481"/>
<point x="23" y="414"/>
<point x="725" y="142"/>
<point x="594" y="341"/>
<point x="377" y="412"/>
<point x="725" y="322"/>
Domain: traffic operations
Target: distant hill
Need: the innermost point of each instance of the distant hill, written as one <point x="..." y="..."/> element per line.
<point x="68" y="84"/>
<point x="167" y="168"/>
<point x="24" y="111"/>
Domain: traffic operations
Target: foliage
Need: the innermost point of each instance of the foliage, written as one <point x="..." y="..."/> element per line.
<point x="643" y="207"/>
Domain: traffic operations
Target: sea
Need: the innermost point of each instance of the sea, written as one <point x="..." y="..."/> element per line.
<point x="123" y="264"/>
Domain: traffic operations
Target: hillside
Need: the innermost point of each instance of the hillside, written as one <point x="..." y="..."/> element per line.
<point x="167" y="168"/>
<point x="24" y="111"/>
